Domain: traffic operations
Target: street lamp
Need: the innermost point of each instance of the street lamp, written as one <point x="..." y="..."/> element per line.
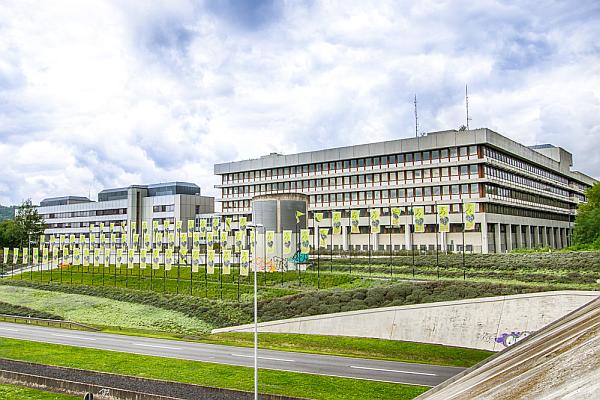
<point x="255" y="227"/>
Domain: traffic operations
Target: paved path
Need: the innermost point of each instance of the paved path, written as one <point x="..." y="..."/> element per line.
<point x="357" y="368"/>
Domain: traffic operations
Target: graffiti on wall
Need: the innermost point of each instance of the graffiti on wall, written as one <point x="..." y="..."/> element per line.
<point x="508" y="339"/>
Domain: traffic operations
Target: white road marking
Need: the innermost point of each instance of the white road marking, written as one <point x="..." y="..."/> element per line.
<point x="9" y="329"/>
<point x="262" y="358"/>
<point x="72" y="336"/>
<point x="157" y="346"/>
<point x="392" y="370"/>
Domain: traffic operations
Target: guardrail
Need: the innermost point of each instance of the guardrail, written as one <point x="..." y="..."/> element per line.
<point x="47" y="322"/>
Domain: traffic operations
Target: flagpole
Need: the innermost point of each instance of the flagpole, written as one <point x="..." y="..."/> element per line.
<point x="437" y="229"/>
<point x="462" y="216"/>
<point x="256" y="226"/>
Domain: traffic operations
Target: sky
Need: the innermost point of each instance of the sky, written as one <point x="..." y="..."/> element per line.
<point x="100" y="94"/>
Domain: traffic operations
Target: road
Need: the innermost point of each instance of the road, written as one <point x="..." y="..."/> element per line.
<point x="346" y="367"/>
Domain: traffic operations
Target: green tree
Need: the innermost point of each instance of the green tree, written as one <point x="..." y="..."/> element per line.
<point x="29" y="224"/>
<point x="9" y="234"/>
<point x="587" y="222"/>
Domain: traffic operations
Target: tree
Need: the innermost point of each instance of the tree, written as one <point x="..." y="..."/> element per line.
<point x="29" y="223"/>
<point x="587" y="222"/>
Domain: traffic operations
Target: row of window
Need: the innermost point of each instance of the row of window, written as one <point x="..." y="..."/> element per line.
<point x="500" y="156"/>
<point x="394" y="160"/>
<point x="521" y="180"/>
<point x="164" y="208"/>
<point x="512" y="194"/>
<point x="91" y="213"/>
<point x="385" y="196"/>
<point x="524" y="212"/>
<point x="355" y="181"/>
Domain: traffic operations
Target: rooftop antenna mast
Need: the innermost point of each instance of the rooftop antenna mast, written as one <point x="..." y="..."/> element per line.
<point x="416" y="119"/>
<point x="467" y="104"/>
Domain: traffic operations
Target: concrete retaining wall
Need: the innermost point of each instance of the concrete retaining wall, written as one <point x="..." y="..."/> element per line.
<point x="489" y="323"/>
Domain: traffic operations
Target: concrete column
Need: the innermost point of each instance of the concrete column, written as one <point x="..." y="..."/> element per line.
<point x="544" y="236"/>
<point x="528" y="237"/>
<point x="520" y="244"/>
<point x="407" y="241"/>
<point x="375" y="242"/>
<point x="497" y="238"/>
<point x="563" y="232"/>
<point x="509" y="241"/>
<point x="557" y="241"/>
<point x="484" y="237"/>
<point x="551" y="237"/>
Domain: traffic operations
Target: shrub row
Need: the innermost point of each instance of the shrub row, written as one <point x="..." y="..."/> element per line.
<point x="331" y="301"/>
<point x="216" y="313"/>
<point x="6" y="308"/>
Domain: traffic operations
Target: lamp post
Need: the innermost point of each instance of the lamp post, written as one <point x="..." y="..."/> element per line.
<point x="255" y="227"/>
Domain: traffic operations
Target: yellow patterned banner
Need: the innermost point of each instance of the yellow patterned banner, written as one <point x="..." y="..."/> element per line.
<point x="195" y="260"/>
<point x="155" y="259"/>
<point x="355" y="221"/>
<point x="77" y="256"/>
<point x="203" y="225"/>
<point x="469" y="216"/>
<point x="305" y="241"/>
<point x="216" y="222"/>
<point x="144" y="226"/>
<point x="171" y="239"/>
<point x="196" y="240"/>
<point x="210" y="262"/>
<point x="244" y="262"/>
<point x="226" y="262"/>
<point x="375" y="220"/>
<point x="86" y="256"/>
<point x="5" y="256"/>
<point x="239" y="240"/>
<point x="444" y="218"/>
<point x="270" y="242"/>
<point x="318" y="217"/>
<point x="119" y="259"/>
<point x="107" y="252"/>
<point x="243" y="223"/>
<point x="209" y="239"/>
<point x="191" y="224"/>
<point x="336" y="222"/>
<point x="419" y="219"/>
<point x="228" y="224"/>
<point x="224" y="240"/>
<point x="36" y="255"/>
<point x="168" y="259"/>
<point x="395" y="216"/>
<point x="287" y="243"/>
<point x="143" y="258"/>
<point x="323" y="237"/>
<point x="25" y="255"/>
<point x="96" y="257"/>
<point x="130" y="258"/>
<point x="146" y="240"/>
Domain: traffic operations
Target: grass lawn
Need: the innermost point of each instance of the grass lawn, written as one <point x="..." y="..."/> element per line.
<point x="216" y="375"/>
<point x="101" y="311"/>
<point x="357" y="347"/>
<point x="20" y="393"/>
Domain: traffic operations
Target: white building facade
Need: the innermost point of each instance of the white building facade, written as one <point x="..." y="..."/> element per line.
<point x="156" y="203"/>
<point x="524" y="197"/>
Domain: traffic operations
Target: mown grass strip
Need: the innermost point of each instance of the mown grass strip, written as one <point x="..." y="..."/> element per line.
<point x="200" y="373"/>
<point x="20" y="393"/>
<point x="357" y="347"/>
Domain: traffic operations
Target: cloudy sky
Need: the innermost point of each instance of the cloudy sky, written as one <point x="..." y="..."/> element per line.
<point x="97" y="94"/>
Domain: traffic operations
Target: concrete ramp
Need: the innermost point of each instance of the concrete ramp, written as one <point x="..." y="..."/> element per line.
<point x="561" y="361"/>
<point x="490" y="323"/>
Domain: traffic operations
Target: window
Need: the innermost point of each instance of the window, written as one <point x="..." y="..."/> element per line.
<point x="472" y="150"/>
<point x="444" y="154"/>
<point x="473" y="170"/>
<point x="453" y="152"/>
<point x="417" y="156"/>
<point x="463" y="152"/>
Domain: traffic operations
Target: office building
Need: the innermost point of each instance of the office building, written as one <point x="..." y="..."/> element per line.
<point x="524" y="196"/>
<point x="173" y="201"/>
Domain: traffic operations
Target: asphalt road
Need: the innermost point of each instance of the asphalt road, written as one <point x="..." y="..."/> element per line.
<point x="357" y="368"/>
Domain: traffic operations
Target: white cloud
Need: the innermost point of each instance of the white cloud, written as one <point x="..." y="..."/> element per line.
<point x="100" y="94"/>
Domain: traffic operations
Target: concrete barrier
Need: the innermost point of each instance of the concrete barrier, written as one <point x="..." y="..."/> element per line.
<point x="490" y="323"/>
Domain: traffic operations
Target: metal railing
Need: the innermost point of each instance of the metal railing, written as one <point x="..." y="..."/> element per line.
<point x="44" y="321"/>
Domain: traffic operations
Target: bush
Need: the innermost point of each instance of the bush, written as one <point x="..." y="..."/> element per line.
<point x="10" y="309"/>
<point x="313" y="303"/>
<point x="216" y="313"/>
